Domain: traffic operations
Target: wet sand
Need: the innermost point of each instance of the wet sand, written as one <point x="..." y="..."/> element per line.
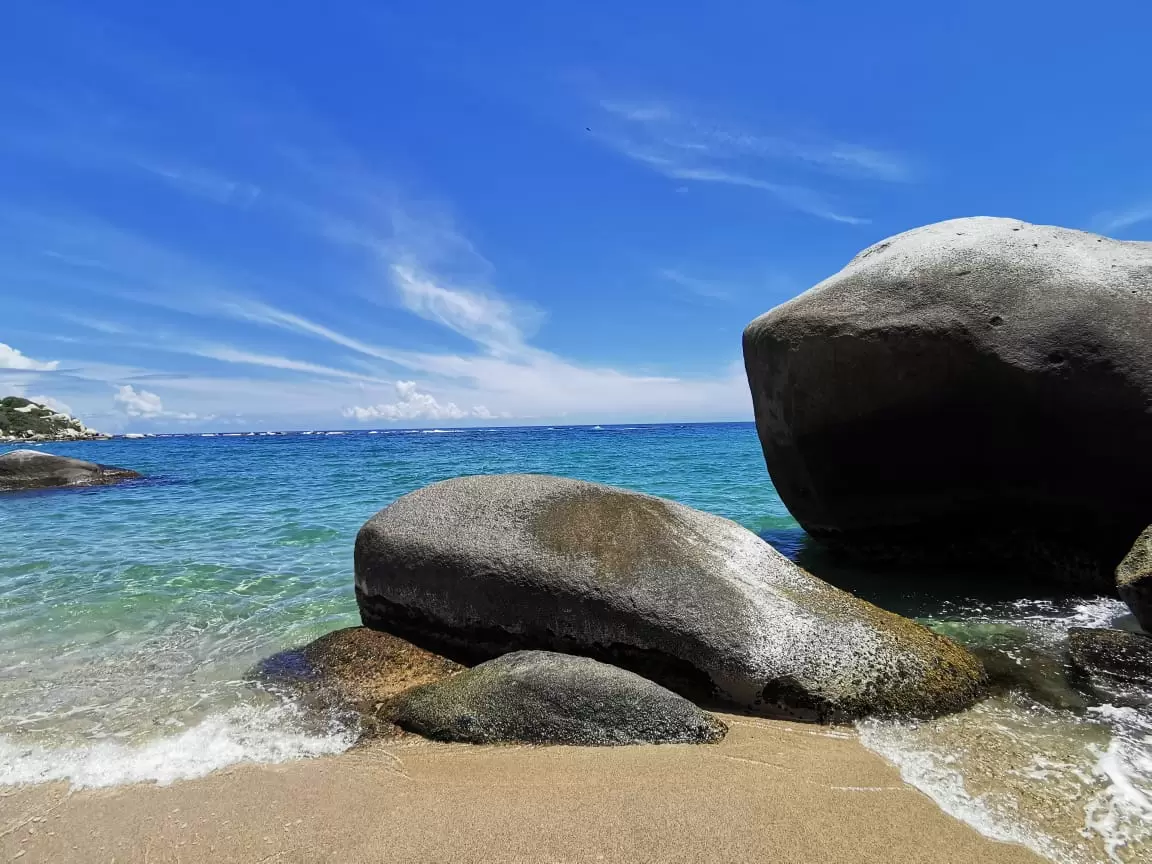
<point x="770" y="792"/>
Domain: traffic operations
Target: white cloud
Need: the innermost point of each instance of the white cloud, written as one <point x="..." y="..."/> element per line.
<point x="138" y="403"/>
<point x="10" y="358"/>
<point x="145" y="405"/>
<point x="413" y="404"/>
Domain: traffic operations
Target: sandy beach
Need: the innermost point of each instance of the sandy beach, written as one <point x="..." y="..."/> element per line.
<point x="771" y="791"/>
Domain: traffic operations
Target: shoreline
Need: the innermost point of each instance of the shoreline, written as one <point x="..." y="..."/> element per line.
<point x="771" y="791"/>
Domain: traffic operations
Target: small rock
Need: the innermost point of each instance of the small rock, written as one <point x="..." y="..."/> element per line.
<point x="1134" y="579"/>
<point x="357" y="669"/>
<point x="541" y="697"/>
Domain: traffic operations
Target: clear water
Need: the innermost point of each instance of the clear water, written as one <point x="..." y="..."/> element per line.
<point x="130" y="616"/>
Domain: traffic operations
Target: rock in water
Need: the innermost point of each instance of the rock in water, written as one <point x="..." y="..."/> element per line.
<point x="1115" y="664"/>
<point x="539" y="697"/>
<point x="30" y="469"/>
<point x="367" y="667"/>
<point x="1134" y="579"/>
<point x="354" y="669"/>
<point x="478" y="566"/>
<point x="977" y="389"/>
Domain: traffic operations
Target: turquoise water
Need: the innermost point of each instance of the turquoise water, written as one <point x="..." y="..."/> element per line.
<point x="131" y="615"/>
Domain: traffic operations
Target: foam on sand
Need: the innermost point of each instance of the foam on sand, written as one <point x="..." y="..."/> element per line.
<point x="245" y="733"/>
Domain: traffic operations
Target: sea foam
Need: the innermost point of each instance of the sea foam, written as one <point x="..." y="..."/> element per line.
<point x="244" y="733"/>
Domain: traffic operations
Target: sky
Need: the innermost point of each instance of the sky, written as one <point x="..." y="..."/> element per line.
<point x="296" y="215"/>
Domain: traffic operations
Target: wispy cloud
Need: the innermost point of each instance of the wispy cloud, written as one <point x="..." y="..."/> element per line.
<point x="485" y="319"/>
<point x="700" y="287"/>
<point x="678" y="129"/>
<point x="1118" y="220"/>
<point x="682" y="146"/>
<point x="227" y="354"/>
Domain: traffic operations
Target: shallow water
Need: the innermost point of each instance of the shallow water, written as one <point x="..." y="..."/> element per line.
<point x="130" y="616"/>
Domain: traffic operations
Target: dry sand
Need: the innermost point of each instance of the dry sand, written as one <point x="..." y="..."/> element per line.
<point x="771" y="793"/>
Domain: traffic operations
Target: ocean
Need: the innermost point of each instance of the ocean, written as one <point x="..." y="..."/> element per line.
<point x="131" y="616"/>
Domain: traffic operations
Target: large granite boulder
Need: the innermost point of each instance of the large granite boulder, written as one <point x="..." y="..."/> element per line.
<point x="978" y="389"/>
<point x="479" y="566"/>
<point x="31" y="469"/>
<point x="1134" y="579"/>
<point x="539" y="697"/>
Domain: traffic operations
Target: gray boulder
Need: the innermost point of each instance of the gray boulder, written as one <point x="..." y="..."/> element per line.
<point x="978" y="389"/>
<point x="538" y="697"/>
<point x="476" y="567"/>
<point x="31" y="469"/>
<point x="1134" y="579"/>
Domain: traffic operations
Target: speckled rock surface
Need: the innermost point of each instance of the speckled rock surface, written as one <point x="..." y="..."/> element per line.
<point x="476" y="567"/>
<point x="31" y="469"/>
<point x="540" y="697"/>
<point x="367" y="667"/>
<point x="978" y="389"/>
<point x="1134" y="578"/>
<point x="355" y="669"/>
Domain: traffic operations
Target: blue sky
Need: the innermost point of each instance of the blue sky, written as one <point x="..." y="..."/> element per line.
<point x="298" y="215"/>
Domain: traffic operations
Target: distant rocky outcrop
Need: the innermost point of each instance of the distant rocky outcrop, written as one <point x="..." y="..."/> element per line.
<point x="24" y="420"/>
<point x="977" y="390"/>
<point x="476" y="567"/>
<point x="1134" y="579"/>
<point x="539" y="697"/>
<point x="31" y="469"/>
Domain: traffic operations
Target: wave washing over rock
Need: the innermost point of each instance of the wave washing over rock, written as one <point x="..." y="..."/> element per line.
<point x="1073" y="782"/>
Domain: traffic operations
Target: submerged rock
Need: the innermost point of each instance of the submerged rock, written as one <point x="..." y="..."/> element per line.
<point x="479" y="566"/>
<point x="975" y="390"/>
<point x="31" y="469"/>
<point x="1134" y="579"/>
<point x="539" y="697"/>
<point x="1117" y="654"/>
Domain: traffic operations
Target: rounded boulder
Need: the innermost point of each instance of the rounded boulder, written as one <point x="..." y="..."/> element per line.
<point x="540" y="697"/>
<point x="476" y="567"/>
<point x="976" y="390"/>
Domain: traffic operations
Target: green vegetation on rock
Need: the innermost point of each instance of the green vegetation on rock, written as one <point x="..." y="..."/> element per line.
<point x="23" y="420"/>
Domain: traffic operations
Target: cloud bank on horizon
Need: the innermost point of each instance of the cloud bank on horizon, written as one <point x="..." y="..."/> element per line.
<point x="440" y="222"/>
